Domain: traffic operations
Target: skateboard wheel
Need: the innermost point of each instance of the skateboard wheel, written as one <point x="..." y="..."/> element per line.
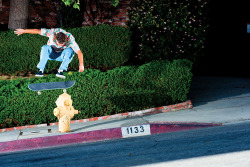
<point x="38" y="92"/>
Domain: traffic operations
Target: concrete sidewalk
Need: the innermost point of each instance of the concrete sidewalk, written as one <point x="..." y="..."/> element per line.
<point x="216" y="101"/>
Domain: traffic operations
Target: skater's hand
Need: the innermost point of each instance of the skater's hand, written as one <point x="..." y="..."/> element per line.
<point x="19" y="31"/>
<point x="81" y="68"/>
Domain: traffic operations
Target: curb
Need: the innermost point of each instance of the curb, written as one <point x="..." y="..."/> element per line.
<point x="22" y="127"/>
<point x="98" y="135"/>
<point x="175" y="107"/>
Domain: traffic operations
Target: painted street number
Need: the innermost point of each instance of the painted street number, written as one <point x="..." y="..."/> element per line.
<point x="133" y="131"/>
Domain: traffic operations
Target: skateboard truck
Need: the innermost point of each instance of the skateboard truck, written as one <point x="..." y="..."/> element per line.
<point x="64" y="91"/>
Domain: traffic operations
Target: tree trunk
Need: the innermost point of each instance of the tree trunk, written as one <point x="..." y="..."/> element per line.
<point x="1" y="4"/>
<point x="19" y="11"/>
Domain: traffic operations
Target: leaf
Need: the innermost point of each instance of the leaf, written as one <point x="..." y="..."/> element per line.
<point x="114" y="2"/>
<point x="76" y="6"/>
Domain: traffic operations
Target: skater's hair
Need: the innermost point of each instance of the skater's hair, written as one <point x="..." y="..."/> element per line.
<point x="61" y="37"/>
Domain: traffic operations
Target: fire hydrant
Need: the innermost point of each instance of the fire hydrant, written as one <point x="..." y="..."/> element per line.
<point x="64" y="112"/>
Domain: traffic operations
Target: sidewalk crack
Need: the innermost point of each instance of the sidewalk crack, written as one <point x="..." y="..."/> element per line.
<point x="145" y="120"/>
<point x="20" y="134"/>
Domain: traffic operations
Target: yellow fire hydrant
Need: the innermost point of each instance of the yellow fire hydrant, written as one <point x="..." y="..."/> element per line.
<point x="64" y="112"/>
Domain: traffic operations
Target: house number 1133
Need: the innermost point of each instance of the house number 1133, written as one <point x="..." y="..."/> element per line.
<point x="133" y="131"/>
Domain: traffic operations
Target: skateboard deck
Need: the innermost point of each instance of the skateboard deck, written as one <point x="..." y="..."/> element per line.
<point x="51" y="85"/>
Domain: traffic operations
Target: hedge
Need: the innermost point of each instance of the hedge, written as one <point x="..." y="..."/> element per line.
<point x="168" y="29"/>
<point x="96" y="93"/>
<point x="103" y="46"/>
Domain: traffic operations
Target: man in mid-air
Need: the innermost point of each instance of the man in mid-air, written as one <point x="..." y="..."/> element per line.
<point x="61" y="46"/>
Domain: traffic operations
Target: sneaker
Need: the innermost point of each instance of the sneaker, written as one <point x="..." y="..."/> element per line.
<point x="60" y="74"/>
<point x="40" y="73"/>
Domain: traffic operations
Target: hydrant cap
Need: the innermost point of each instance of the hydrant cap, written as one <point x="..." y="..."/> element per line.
<point x="64" y="98"/>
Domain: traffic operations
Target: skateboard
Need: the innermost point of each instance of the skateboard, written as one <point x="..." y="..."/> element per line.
<point x="51" y="85"/>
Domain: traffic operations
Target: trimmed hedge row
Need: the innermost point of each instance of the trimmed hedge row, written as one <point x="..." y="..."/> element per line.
<point x="96" y="93"/>
<point x="103" y="46"/>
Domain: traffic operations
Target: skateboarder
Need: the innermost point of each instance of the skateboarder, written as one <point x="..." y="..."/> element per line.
<point x="61" y="46"/>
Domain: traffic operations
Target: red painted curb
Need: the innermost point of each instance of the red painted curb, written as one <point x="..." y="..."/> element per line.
<point x="173" y="127"/>
<point x="175" y="107"/>
<point x="85" y="137"/>
<point x="59" y="140"/>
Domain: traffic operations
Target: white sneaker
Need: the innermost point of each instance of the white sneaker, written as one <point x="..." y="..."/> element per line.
<point x="40" y="73"/>
<point x="60" y="74"/>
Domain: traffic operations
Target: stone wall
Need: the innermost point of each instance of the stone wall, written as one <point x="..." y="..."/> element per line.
<point x="44" y="13"/>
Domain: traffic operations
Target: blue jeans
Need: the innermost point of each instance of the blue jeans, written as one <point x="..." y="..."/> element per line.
<point x="48" y="53"/>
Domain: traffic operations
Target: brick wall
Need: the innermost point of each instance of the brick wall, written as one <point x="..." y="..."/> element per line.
<point x="4" y="11"/>
<point x="104" y="13"/>
<point x="44" y="13"/>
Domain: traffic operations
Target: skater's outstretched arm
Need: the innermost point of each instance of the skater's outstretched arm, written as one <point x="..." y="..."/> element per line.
<point x="27" y="31"/>
<point x="81" y="61"/>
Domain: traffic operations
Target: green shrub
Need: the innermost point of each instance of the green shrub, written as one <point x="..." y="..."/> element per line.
<point x="19" y="53"/>
<point x="96" y="93"/>
<point x="103" y="46"/>
<point x="167" y="29"/>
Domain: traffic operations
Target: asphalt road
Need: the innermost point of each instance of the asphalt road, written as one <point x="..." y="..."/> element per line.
<point x="161" y="149"/>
